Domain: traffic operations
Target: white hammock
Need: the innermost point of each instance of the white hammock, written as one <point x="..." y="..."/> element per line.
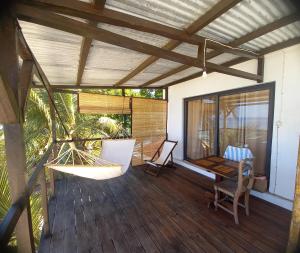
<point x="83" y="164"/>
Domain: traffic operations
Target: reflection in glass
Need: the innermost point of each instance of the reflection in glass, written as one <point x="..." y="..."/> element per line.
<point x="243" y="121"/>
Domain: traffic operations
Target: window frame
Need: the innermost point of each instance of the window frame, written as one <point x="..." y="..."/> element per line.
<point x="263" y="86"/>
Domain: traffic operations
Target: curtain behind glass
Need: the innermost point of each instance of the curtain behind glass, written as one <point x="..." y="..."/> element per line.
<point x="243" y="121"/>
<point x="201" y="120"/>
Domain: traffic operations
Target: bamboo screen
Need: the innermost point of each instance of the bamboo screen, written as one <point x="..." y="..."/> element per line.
<point x="149" y="119"/>
<point x="103" y="104"/>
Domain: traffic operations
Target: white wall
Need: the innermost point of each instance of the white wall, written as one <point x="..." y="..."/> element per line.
<point x="283" y="67"/>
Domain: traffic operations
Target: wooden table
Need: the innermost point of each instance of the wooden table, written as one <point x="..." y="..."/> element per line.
<point x="221" y="167"/>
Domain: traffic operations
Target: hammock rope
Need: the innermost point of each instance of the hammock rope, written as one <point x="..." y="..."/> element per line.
<point x="84" y="158"/>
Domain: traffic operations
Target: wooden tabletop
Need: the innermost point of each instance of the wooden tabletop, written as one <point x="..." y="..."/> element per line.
<point x="219" y="166"/>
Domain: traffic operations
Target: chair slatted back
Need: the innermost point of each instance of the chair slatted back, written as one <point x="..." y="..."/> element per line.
<point x="245" y="175"/>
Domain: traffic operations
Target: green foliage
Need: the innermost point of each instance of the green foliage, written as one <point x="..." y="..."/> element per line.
<point x="4" y="192"/>
<point x="37" y="136"/>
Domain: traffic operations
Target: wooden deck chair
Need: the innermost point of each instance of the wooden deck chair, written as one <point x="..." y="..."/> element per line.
<point x="236" y="189"/>
<point x="164" y="154"/>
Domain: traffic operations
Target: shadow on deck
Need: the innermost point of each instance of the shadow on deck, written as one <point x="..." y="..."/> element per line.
<point x="141" y="213"/>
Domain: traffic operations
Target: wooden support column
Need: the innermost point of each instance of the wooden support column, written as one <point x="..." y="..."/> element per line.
<point x="200" y="55"/>
<point x="55" y="147"/>
<point x="294" y="239"/>
<point x="44" y="202"/>
<point x="25" y="83"/>
<point x="166" y="94"/>
<point x="260" y="68"/>
<point x="14" y="140"/>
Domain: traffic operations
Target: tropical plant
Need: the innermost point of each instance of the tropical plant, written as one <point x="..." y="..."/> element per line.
<point x="37" y="136"/>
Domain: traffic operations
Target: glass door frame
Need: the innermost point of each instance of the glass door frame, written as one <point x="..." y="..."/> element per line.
<point x="264" y="86"/>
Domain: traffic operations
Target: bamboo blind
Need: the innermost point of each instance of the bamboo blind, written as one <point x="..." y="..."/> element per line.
<point x="149" y="119"/>
<point x="103" y="104"/>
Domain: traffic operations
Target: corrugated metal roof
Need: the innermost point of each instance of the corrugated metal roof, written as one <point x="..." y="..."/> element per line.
<point x="58" y="52"/>
<point x="245" y="17"/>
<point x="106" y="64"/>
<point x="157" y="68"/>
<point x="176" y="13"/>
<point x="280" y="35"/>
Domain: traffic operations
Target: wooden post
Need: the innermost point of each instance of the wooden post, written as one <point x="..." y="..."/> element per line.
<point x="14" y="141"/>
<point x="166" y="94"/>
<point x="294" y="238"/>
<point x="55" y="150"/>
<point x="260" y="68"/>
<point x="44" y="202"/>
<point x="142" y="150"/>
<point x="24" y="85"/>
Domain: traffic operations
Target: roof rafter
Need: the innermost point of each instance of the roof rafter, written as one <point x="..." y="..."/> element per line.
<point x="212" y="14"/>
<point x="86" y="44"/>
<point x="270" y="49"/>
<point x="84" y="10"/>
<point x="246" y="38"/>
<point x="59" y="87"/>
<point x="70" y="25"/>
<point x="264" y="51"/>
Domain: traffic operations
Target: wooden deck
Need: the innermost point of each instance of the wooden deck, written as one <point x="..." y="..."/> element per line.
<point x="141" y="213"/>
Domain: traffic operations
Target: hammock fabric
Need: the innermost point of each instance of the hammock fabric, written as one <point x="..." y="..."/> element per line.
<point x="83" y="164"/>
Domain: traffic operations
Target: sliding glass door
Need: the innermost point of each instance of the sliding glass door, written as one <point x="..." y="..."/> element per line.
<point x="241" y="117"/>
<point x="201" y="131"/>
<point x="243" y="122"/>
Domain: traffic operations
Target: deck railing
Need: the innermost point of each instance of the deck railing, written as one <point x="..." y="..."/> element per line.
<point x="12" y="217"/>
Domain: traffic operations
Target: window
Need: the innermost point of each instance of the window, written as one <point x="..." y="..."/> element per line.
<point x="241" y="117"/>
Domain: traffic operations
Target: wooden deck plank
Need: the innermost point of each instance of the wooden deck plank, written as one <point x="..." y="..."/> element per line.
<point x="245" y="239"/>
<point x="141" y="213"/>
<point x="247" y="235"/>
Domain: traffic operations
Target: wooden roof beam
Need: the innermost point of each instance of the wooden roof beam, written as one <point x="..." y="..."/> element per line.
<point x="38" y="16"/>
<point x="267" y="50"/>
<point x="267" y="28"/>
<point x="58" y="87"/>
<point x="25" y="82"/>
<point x="86" y="44"/>
<point x="84" y="10"/>
<point x="204" y="20"/>
<point x="244" y="39"/>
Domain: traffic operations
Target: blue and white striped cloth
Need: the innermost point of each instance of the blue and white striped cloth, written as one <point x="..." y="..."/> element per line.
<point x="237" y="153"/>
